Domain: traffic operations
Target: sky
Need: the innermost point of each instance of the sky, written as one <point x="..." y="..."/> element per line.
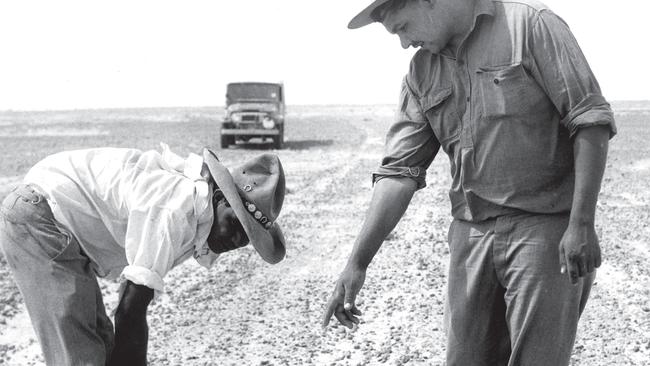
<point x="78" y="54"/>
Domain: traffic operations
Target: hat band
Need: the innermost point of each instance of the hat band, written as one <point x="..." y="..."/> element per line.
<point x="258" y="215"/>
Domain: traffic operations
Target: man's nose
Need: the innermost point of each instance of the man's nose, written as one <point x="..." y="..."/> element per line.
<point x="405" y="42"/>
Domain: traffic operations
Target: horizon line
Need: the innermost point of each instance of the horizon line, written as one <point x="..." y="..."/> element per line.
<point x="68" y="109"/>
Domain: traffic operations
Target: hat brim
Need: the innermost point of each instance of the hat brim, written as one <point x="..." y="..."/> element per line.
<point x="270" y="244"/>
<point x="363" y="18"/>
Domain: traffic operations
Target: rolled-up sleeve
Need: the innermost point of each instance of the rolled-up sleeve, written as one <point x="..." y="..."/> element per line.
<point x="153" y="238"/>
<point x="561" y="69"/>
<point x="410" y="142"/>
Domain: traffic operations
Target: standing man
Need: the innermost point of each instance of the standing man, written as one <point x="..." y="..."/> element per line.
<point x="503" y="88"/>
<point x="124" y="212"/>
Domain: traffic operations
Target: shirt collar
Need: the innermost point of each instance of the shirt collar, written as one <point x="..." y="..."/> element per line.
<point x="481" y="7"/>
<point x="204" y="255"/>
<point x="202" y="252"/>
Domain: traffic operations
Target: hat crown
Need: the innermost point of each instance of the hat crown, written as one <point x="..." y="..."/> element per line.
<point x="261" y="182"/>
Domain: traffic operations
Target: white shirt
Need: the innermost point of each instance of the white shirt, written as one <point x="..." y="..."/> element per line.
<point x="134" y="213"/>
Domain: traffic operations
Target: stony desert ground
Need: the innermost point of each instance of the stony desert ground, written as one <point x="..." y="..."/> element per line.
<point x="245" y="312"/>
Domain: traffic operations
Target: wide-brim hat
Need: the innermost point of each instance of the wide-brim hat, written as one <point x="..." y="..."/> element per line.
<point x="364" y="18"/>
<point x="255" y="190"/>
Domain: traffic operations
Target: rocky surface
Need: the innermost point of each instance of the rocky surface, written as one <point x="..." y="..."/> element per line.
<point x="244" y="311"/>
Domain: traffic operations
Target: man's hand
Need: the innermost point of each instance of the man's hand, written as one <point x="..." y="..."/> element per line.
<point x="579" y="251"/>
<point x="341" y="303"/>
<point x="390" y="199"/>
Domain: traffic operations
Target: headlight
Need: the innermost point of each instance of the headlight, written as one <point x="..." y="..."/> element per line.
<point x="268" y="123"/>
<point x="236" y="118"/>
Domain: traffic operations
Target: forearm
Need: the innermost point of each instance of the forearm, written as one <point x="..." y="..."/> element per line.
<point x="590" y="156"/>
<point x="391" y="197"/>
<point x="131" y="329"/>
<point x="130" y="344"/>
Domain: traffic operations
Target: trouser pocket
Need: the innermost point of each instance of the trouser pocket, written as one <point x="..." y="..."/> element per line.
<point x="26" y="213"/>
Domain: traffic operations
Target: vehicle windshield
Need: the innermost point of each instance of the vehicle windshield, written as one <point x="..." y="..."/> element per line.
<point x="252" y="92"/>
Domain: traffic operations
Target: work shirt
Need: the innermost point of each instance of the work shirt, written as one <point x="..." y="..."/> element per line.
<point x="504" y="108"/>
<point x="133" y="213"/>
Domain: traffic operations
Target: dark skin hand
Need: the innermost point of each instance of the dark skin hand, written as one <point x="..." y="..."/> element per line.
<point x="131" y="329"/>
<point x="579" y="250"/>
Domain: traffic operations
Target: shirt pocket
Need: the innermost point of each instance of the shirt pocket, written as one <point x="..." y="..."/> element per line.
<point x="507" y="92"/>
<point x="441" y="115"/>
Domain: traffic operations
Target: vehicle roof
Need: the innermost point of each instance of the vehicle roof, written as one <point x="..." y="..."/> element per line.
<point x="255" y="83"/>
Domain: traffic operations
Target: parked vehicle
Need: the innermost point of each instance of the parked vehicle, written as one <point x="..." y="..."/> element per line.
<point x="253" y="111"/>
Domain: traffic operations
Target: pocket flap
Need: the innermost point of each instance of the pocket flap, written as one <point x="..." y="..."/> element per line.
<point x="435" y="98"/>
<point x="502" y="72"/>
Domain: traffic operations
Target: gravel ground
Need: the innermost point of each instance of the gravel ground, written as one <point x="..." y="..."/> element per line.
<point x="247" y="312"/>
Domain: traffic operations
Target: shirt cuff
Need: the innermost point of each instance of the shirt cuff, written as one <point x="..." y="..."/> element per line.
<point x="145" y="277"/>
<point x="418" y="174"/>
<point x="591" y="111"/>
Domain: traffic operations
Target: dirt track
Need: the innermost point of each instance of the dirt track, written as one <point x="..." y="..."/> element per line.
<point x="247" y="312"/>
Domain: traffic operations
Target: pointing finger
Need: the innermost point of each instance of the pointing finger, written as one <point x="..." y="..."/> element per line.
<point x="331" y="306"/>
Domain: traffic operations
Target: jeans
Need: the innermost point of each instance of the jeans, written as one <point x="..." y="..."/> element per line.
<point x="508" y="304"/>
<point x="54" y="276"/>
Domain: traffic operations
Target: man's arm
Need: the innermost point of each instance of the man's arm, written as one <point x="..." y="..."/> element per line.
<point x="579" y="249"/>
<point x="131" y="330"/>
<point x="390" y="199"/>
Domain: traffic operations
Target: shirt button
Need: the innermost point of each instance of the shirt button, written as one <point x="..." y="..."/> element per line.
<point x="496" y="81"/>
<point x="467" y="99"/>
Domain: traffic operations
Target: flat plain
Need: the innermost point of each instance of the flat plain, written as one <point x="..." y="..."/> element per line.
<point x="246" y="312"/>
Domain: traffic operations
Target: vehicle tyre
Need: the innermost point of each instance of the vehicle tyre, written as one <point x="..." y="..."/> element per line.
<point x="226" y="141"/>
<point x="278" y="141"/>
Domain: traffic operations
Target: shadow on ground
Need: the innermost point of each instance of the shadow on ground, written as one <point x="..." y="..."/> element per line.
<point x="306" y="144"/>
<point x="289" y="145"/>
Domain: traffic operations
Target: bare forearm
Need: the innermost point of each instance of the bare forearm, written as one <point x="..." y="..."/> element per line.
<point x="131" y="329"/>
<point x="590" y="156"/>
<point x="390" y="199"/>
